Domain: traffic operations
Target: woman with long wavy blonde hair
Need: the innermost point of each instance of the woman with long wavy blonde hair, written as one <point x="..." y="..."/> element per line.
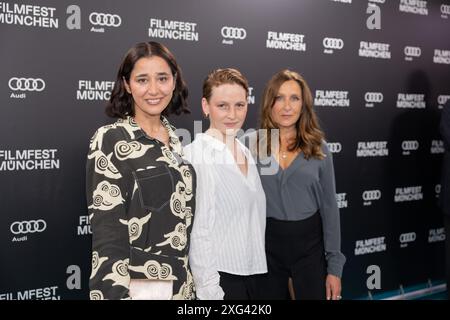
<point x="303" y="225"/>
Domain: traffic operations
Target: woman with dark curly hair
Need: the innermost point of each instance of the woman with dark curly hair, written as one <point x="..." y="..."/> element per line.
<point x="139" y="190"/>
<point x="303" y="226"/>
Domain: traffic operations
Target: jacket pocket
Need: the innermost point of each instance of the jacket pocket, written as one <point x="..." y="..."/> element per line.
<point x="155" y="187"/>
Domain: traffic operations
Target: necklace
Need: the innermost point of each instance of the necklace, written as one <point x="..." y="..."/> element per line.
<point x="283" y="154"/>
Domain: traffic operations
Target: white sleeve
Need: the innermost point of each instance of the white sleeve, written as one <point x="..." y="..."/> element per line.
<point x="202" y="257"/>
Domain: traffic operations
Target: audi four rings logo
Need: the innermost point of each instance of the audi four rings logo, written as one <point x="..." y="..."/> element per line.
<point x="105" y="19"/>
<point x="437" y="189"/>
<point x="407" y="237"/>
<point x="371" y="195"/>
<point x="413" y="51"/>
<point x="333" y="43"/>
<point x="410" y="145"/>
<point x="445" y="8"/>
<point x="26" y="84"/>
<point x="373" y="97"/>
<point x="442" y="99"/>
<point x="31" y="226"/>
<point x="233" y="33"/>
<point x="334" y="147"/>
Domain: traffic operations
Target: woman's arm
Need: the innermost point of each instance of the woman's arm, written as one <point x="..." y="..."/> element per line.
<point x="106" y="193"/>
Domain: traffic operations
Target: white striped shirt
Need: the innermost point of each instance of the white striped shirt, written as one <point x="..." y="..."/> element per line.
<point x="229" y="219"/>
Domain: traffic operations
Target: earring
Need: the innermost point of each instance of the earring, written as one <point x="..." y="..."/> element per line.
<point x="206" y="115"/>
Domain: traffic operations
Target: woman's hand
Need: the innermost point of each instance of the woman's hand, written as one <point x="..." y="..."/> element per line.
<point x="333" y="286"/>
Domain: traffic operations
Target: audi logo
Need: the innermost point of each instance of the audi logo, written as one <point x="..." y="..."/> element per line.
<point x="445" y="8"/>
<point x="372" y="97"/>
<point x="26" y="84"/>
<point x="371" y="195"/>
<point x="410" y="145"/>
<point x="442" y="99"/>
<point x="334" y="147"/>
<point x="105" y="19"/>
<point x="407" y="237"/>
<point x="333" y="43"/>
<point x="233" y="33"/>
<point x="32" y="226"/>
<point x="437" y="189"/>
<point x="413" y="51"/>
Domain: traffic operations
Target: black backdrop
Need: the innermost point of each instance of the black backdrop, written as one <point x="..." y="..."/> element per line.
<point x="58" y="60"/>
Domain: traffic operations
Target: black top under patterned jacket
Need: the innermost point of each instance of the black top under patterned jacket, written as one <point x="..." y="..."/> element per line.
<point x="141" y="203"/>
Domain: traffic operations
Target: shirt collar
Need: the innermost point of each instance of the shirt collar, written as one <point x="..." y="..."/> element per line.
<point x="212" y="141"/>
<point x="174" y="141"/>
<point x="131" y="127"/>
<point x="136" y="132"/>
<point x="219" y="145"/>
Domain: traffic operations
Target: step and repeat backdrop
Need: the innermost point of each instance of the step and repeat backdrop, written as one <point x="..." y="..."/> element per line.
<point x="379" y="72"/>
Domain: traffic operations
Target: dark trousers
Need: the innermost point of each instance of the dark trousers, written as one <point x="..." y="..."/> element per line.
<point x="238" y="287"/>
<point x="294" y="249"/>
<point x="447" y="252"/>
